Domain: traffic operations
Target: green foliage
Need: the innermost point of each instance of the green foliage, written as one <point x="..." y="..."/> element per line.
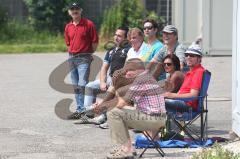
<point x="48" y="14"/>
<point x="32" y="48"/>
<point x="161" y="21"/>
<point x="217" y="152"/>
<point x="17" y="32"/>
<point x="133" y="12"/>
<point x="124" y="13"/>
<point x="17" y="37"/>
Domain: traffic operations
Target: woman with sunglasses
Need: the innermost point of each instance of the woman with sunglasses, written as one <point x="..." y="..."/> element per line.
<point x="171" y="64"/>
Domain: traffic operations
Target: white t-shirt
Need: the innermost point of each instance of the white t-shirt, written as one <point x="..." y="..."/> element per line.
<point x="136" y="54"/>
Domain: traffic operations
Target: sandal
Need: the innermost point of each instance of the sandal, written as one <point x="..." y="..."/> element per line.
<point x="115" y="149"/>
<point x="120" y="154"/>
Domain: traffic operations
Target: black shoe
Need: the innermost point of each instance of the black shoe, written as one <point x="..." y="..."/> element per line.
<point x="89" y="115"/>
<point x="83" y="120"/>
<point x="75" y="115"/>
<point x="137" y="131"/>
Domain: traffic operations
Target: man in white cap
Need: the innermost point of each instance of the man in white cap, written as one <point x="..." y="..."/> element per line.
<point x="171" y="46"/>
<point x="192" y="82"/>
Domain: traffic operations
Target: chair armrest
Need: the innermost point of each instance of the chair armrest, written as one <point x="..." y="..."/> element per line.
<point x="189" y="99"/>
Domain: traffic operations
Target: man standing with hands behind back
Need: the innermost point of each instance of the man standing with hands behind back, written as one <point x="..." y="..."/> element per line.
<point x="81" y="39"/>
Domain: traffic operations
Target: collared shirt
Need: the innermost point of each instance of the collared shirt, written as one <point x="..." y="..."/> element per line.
<point x="151" y="52"/>
<point x="192" y="80"/>
<point x="116" y="58"/>
<point x="145" y="93"/>
<point x="79" y="38"/>
<point x="136" y="54"/>
<point x="179" y="51"/>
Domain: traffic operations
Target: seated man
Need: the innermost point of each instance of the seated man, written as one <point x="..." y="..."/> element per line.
<point x="113" y="60"/>
<point x="121" y="82"/>
<point x="120" y="85"/>
<point x="151" y="30"/>
<point x="171" y="46"/>
<point x="139" y="47"/>
<point x="149" y="113"/>
<point x="191" y="84"/>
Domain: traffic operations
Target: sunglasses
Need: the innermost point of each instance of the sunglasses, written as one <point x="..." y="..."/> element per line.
<point x="167" y="64"/>
<point x="148" y="28"/>
<point x="190" y="55"/>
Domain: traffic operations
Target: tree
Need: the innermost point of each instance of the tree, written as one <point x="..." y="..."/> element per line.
<point x="48" y="14"/>
<point x="129" y="13"/>
<point x="124" y="13"/>
<point x="3" y="17"/>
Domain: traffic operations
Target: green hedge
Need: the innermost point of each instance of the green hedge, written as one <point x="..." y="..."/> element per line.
<point x="125" y="13"/>
<point x="49" y="14"/>
<point x="17" y="37"/>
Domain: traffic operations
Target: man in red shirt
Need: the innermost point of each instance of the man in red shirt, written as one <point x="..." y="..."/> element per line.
<point x="81" y="39"/>
<point x="192" y="82"/>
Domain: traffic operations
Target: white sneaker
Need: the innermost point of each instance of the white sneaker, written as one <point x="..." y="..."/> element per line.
<point x="98" y="120"/>
<point x="104" y="126"/>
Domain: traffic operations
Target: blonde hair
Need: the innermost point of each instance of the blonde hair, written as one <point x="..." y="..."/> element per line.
<point x="135" y="30"/>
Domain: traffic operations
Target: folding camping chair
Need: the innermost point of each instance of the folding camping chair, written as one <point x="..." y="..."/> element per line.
<point x="190" y="116"/>
<point x="153" y="143"/>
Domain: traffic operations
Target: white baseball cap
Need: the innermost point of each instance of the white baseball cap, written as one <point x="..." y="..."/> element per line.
<point x="194" y="49"/>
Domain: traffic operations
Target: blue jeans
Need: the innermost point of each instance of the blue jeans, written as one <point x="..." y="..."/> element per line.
<point x="174" y="106"/>
<point x="91" y="91"/>
<point x="80" y="70"/>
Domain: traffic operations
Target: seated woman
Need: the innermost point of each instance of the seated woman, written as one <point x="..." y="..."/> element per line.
<point x="175" y="79"/>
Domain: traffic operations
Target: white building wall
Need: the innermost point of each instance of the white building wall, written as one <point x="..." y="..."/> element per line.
<point x="210" y="19"/>
<point x="236" y="68"/>
<point x="187" y="18"/>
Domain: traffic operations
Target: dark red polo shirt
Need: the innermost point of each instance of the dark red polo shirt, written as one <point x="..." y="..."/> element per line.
<point x="80" y="38"/>
<point x="192" y="80"/>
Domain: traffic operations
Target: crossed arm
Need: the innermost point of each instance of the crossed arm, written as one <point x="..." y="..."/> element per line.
<point x="192" y="93"/>
<point x="155" y="67"/>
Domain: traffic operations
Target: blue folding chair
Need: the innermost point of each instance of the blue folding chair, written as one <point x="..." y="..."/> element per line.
<point x="188" y="117"/>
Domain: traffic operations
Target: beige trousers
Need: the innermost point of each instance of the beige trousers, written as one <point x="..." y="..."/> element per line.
<point x="120" y="120"/>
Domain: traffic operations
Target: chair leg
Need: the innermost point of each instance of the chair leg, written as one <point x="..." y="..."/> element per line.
<point x="156" y="144"/>
<point x="204" y="128"/>
<point x="191" y="133"/>
<point x="184" y="129"/>
<point x="142" y="152"/>
<point x="151" y="141"/>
